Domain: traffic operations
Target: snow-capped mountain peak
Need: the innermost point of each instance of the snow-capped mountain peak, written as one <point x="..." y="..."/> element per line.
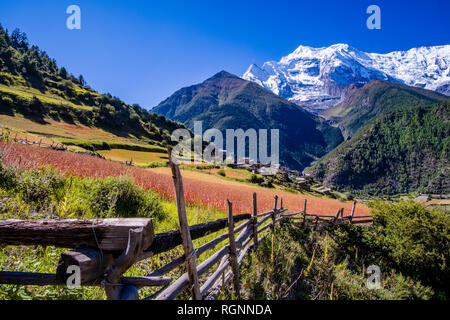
<point x="319" y="78"/>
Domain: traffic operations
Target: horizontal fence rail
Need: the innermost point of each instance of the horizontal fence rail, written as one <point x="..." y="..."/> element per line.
<point x="97" y="244"/>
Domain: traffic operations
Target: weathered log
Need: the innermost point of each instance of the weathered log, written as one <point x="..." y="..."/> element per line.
<point x="317" y="222"/>
<point x="92" y="263"/>
<point x="263" y="237"/>
<point x="105" y="234"/>
<point x="166" y="241"/>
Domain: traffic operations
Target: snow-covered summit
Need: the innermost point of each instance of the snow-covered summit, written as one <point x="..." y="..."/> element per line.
<point x="319" y="78"/>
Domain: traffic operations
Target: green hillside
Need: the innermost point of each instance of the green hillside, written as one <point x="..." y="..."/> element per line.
<point x="373" y="100"/>
<point x="226" y="101"/>
<point x="402" y="151"/>
<point x="33" y="87"/>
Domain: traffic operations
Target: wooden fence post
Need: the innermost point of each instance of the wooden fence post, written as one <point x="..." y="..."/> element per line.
<point x="255" y="221"/>
<point x="274" y="213"/>
<point x="304" y="213"/>
<point x="233" y="253"/>
<point x="281" y="203"/>
<point x="184" y="229"/>
<point x="353" y="211"/>
<point x="336" y="217"/>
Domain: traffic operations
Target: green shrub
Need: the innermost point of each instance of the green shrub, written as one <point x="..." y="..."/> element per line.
<point x="39" y="186"/>
<point x="349" y="196"/>
<point x="328" y="267"/>
<point x="256" y="179"/>
<point x="412" y="238"/>
<point x="121" y="197"/>
<point x="269" y="184"/>
<point x="7" y="101"/>
<point x="7" y="177"/>
<point x="221" y="173"/>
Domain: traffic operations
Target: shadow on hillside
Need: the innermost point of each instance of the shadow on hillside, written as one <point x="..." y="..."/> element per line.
<point x="32" y="116"/>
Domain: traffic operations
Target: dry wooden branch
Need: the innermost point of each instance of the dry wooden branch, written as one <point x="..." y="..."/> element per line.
<point x="105" y="234"/>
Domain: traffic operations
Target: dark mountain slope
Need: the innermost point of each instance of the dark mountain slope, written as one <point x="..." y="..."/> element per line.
<point x="226" y="101"/>
<point x="399" y="152"/>
<point x="373" y="100"/>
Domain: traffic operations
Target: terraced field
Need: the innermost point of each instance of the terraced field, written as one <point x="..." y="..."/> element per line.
<point x="138" y="157"/>
<point x="200" y="188"/>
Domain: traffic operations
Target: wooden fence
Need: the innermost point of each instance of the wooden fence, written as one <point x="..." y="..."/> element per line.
<point x="104" y="249"/>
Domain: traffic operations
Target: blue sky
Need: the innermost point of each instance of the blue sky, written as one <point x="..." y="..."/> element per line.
<point x="143" y="51"/>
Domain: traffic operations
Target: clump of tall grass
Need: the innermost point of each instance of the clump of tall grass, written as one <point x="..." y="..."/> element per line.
<point x="407" y="241"/>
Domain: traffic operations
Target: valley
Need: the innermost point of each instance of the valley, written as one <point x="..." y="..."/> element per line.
<point x="363" y="137"/>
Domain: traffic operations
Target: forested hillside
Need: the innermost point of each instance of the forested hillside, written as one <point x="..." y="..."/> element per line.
<point x="402" y="151"/>
<point x="373" y="100"/>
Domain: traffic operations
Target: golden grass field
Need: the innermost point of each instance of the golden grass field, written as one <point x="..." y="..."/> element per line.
<point x="138" y="157"/>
